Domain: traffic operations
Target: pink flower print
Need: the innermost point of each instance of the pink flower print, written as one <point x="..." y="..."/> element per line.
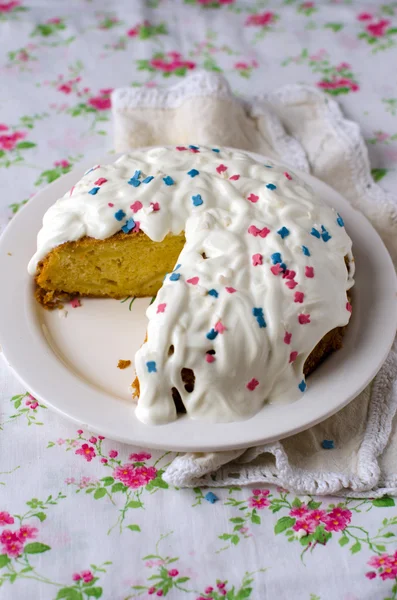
<point x="258" y="502"/>
<point x="262" y="20"/>
<point x="62" y="163"/>
<point x="6" y="519"/>
<point x="299" y="511"/>
<point x="76" y="576"/>
<point x="34" y="405"/>
<point x="27" y="533"/>
<point x="365" y="16"/>
<point x="173" y="573"/>
<point x="243" y="530"/>
<point x="60" y="441"/>
<point x="382" y="561"/>
<point x="241" y="65"/>
<point x="316" y="515"/>
<point x="104" y="460"/>
<point x="134" y="477"/>
<point x="13" y="548"/>
<point x="70" y="480"/>
<point x="54" y="20"/>
<point x="80" y="431"/>
<point x="370" y="575"/>
<point x="113" y="453"/>
<point x="3" y="127"/>
<point x="381" y="136"/>
<point x="101" y="437"/>
<point x="100" y="102"/>
<point x="65" y="88"/>
<point x="87" y="451"/>
<point x="378" y="29"/>
<point x="87" y="576"/>
<point x="342" y="66"/>
<point x="208" y="589"/>
<point x="307" y="5"/>
<point x="151" y="590"/>
<point x="388" y="573"/>
<point x="159" y="593"/>
<point x="8" y="142"/>
<point x="8" y="6"/>
<point x="258" y="492"/>
<point x="93" y="440"/>
<point x="140" y="456"/>
<point x="337" y="520"/>
<point x="221" y="585"/>
<point x="308" y="526"/>
<point x="133" y="32"/>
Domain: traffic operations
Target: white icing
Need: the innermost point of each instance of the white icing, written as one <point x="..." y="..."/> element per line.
<point x="218" y="227"/>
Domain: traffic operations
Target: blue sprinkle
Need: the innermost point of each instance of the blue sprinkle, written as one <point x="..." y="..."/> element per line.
<point x="134" y="182"/>
<point x="168" y="180"/>
<point x="276" y="258"/>
<point x="340" y="221"/>
<point x="151" y="366"/>
<point x="283" y="266"/>
<point x="271" y="186"/>
<point x="210" y="497"/>
<point x="268" y="166"/>
<point x="148" y="179"/>
<point x="215" y="150"/>
<point x="315" y="233"/>
<point x="136" y="175"/>
<point x="211" y="335"/>
<point x="213" y="293"/>
<point x="130" y="224"/>
<point x="175" y="276"/>
<point x="325" y="236"/>
<point x="302" y="385"/>
<point x="257" y="312"/>
<point x="328" y="444"/>
<point x="119" y="215"/>
<point x="178" y="266"/>
<point x="305" y="251"/>
<point x="193" y="172"/>
<point x="93" y="191"/>
<point x="261" y="322"/>
<point x="283" y="232"/>
<point x="193" y="147"/>
<point x="197" y="200"/>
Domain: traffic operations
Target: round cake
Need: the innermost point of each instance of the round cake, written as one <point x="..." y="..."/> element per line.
<point x="251" y="272"/>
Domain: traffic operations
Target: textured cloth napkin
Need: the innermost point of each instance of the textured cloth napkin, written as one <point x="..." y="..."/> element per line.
<point x="305" y="129"/>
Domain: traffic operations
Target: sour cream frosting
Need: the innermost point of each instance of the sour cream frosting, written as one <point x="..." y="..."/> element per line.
<point x="261" y="279"/>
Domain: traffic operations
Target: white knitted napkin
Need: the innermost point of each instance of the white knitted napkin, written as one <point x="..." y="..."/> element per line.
<point x="202" y="109"/>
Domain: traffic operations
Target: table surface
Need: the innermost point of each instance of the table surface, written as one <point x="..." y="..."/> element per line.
<point x="83" y="517"/>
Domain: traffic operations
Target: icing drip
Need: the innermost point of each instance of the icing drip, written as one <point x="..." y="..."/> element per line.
<point x="260" y="281"/>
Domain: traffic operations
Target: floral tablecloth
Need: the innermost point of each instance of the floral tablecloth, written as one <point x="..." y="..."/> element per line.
<point x="81" y="516"/>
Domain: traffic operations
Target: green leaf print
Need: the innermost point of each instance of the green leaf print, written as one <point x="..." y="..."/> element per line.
<point x="4" y="560"/>
<point x="99" y="493"/>
<point x="355" y="548"/>
<point x="343" y="540"/>
<point x="36" y="548"/>
<point x="386" y="500"/>
<point x="134" y="527"/>
<point x="134" y="504"/>
<point x="283" y="524"/>
<point x="69" y="594"/>
<point x="107" y="480"/>
<point x="94" y="592"/>
<point x="25" y="145"/>
<point x="377" y="175"/>
<point x="41" y="516"/>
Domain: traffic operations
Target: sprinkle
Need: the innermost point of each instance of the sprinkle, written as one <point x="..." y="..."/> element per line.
<point x="168" y="180"/>
<point x="303" y="319"/>
<point x="136" y="206"/>
<point x="268" y="166"/>
<point x="293" y="356"/>
<point x="210" y="497"/>
<point x="234" y="177"/>
<point x="148" y="179"/>
<point x="283" y="232"/>
<point x="75" y="303"/>
<point x="119" y="215"/>
<point x="94" y="190"/>
<point x="193" y="172"/>
<point x="209" y="358"/>
<point x="197" y="200"/>
<point x="100" y="181"/>
<point x="193" y="280"/>
<point x="258" y="314"/>
<point x="299" y="296"/>
<point x="71" y="191"/>
<point x="178" y="266"/>
<point x="193" y="147"/>
<point x="211" y="335"/>
<point x="291" y="284"/>
<point x="255" y="231"/>
<point x="161" y="307"/>
<point x="271" y="186"/>
<point x="309" y="272"/>
<point x="219" y="327"/>
<point x="340" y="221"/>
<point x="264" y="232"/>
<point x="289" y="274"/>
<point x="175" y="276"/>
<point x="151" y="366"/>
<point x="110" y="204"/>
<point x="231" y="290"/>
<point x="137" y="227"/>
<point x="256" y="259"/>
<point x="129" y="225"/>
<point x="325" y="235"/>
<point x="137" y="174"/>
<point x="215" y="150"/>
<point x="276" y="269"/>
<point x="134" y="182"/>
<point x="181" y="148"/>
<point x="283" y="266"/>
<point x="302" y="385"/>
<point x="155" y="206"/>
<point x="328" y="444"/>
<point x="287" y="337"/>
<point x="251" y="385"/>
<point x="221" y="169"/>
<point x="349" y="307"/>
<point x="253" y="198"/>
<point x="315" y="233"/>
<point x="305" y="251"/>
<point x="213" y="293"/>
<point x="287" y="175"/>
<point x="276" y="258"/>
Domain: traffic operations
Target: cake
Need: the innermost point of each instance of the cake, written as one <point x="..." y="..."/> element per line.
<point x="252" y="274"/>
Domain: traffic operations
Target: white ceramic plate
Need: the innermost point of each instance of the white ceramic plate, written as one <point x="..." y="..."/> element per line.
<point x="70" y="363"/>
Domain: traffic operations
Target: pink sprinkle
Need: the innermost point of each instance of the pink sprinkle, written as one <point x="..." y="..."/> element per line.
<point x="349" y="307"/>
<point x="137" y="227"/>
<point x="161" y="307"/>
<point x="289" y="274"/>
<point x="100" y="181"/>
<point x="309" y="272"/>
<point x="253" y="230"/>
<point x="75" y="303"/>
<point x="234" y="177"/>
<point x="181" y="148"/>
<point x="221" y="169"/>
<point x="291" y="284"/>
<point x="253" y="198"/>
<point x="110" y="204"/>
<point x="256" y="259"/>
<point x="293" y="356"/>
<point x="194" y="150"/>
<point x="251" y="385"/>
<point x="219" y="327"/>
<point x="193" y="280"/>
<point x="231" y="290"/>
<point x="71" y="191"/>
<point x="156" y="206"/>
<point x="299" y="297"/>
<point x="276" y="269"/>
<point x="264" y="232"/>
<point x="303" y="319"/>
<point x="288" y="176"/>
<point x="287" y="337"/>
<point x="136" y="206"/>
<point x="209" y="358"/>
